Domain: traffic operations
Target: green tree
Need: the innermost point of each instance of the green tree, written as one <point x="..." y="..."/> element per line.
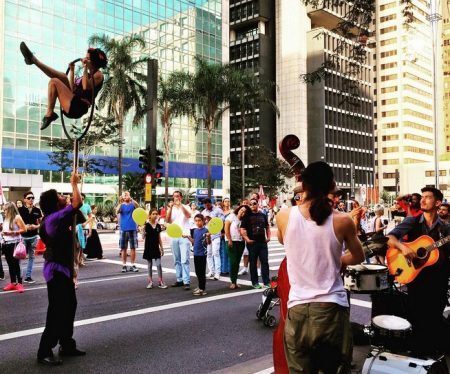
<point x="210" y="93"/>
<point x="250" y="92"/>
<point x="267" y="170"/>
<point x="124" y="88"/>
<point x="102" y="132"/>
<point x="173" y="101"/>
<point x="134" y="183"/>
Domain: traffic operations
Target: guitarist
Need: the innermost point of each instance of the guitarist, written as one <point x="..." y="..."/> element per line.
<point x="428" y="291"/>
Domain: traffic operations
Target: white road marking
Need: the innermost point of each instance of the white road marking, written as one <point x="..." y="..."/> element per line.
<point x="112" y="317"/>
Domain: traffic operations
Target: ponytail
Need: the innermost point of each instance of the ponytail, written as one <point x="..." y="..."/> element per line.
<point x="320" y="209"/>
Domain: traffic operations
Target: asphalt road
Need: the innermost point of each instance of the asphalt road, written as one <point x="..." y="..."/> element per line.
<point x="122" y="325"/>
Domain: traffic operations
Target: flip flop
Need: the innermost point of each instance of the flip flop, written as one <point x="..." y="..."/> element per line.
<point x="46" y="121"/>
<point x="28" y="56"/>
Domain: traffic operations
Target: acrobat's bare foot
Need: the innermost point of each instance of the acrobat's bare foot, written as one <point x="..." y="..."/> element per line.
<point x="46" y="121"/>
<point x="28" y="56"/>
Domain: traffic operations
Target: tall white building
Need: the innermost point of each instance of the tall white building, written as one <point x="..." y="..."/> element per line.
<point x="404" y="87"/>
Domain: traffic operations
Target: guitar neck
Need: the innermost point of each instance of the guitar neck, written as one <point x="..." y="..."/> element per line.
<point x="439" y="243"/>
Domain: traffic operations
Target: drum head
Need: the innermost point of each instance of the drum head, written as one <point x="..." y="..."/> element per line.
<point x="389" y="322"/>
<point x="374" y="267"/>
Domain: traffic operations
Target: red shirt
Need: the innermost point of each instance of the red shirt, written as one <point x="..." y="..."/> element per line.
<point x="410" y="211"/>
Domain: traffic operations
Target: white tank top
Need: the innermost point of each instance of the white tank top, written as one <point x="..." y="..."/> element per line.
<point x="10" y="238"/>
<point x="313" y="261"/>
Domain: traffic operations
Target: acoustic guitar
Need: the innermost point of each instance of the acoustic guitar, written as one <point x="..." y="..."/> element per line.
<point x="427" y="252"/>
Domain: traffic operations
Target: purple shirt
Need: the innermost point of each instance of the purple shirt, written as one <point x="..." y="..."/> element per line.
<point x="53" y="222"/>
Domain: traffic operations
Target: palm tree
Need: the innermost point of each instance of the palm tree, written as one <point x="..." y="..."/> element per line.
<point x="250" y="92"/>
<point x="211" y="91"/>
<point x="124" y="87"/>
<point x="173" y="101"/>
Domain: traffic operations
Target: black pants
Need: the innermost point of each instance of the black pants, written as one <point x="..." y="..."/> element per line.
<point x="255" y="251"/>
<point x="427" y="296"/>
<point x="2" y="273"/>
<point x="200" y="270"/>
<point x="62" y="305"/>
<point x="13" y="263"/>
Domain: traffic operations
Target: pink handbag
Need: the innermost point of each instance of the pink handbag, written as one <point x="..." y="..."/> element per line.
<point x="20" y="251"/>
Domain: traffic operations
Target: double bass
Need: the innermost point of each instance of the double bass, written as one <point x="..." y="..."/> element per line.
<point x="289" y="143"/>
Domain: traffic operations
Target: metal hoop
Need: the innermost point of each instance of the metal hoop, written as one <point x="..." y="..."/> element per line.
<point x="83" y="134"/>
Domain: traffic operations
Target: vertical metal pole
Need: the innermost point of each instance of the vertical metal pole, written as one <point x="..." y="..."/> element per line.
<point x="434" y="18"/>
<point x="352" y="180"/>
<point x="76" y="146"/>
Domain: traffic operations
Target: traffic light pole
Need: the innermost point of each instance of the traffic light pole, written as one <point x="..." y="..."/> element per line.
<point x="152" y="103"/>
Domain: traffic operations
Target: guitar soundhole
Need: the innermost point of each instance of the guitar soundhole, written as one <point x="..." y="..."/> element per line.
<point x="421" y="253"/>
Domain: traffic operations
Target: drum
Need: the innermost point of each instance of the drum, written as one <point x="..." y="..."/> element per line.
<point x="390" y="332"/>
<point x="366" y="278"/>
<point x="379" y="362"/>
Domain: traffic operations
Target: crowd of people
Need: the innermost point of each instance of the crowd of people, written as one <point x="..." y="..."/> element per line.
<point x="317" y="214"/>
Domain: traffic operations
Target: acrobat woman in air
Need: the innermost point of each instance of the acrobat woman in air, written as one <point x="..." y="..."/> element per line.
<point x="74" y="95"/>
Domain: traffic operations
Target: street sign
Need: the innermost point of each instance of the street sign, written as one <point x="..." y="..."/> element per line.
<point x="148" y="179"/>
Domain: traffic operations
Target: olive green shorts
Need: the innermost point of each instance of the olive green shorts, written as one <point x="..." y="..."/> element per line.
<point x="317" y="336"/>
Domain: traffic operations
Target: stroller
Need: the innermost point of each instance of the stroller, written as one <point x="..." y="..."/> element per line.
<point x="269" y="301"/>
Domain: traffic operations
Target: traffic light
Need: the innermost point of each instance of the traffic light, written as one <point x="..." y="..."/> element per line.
<point x="145" y="162"/>
<point x="158" y="178"/>
<point x="159" y="160"/>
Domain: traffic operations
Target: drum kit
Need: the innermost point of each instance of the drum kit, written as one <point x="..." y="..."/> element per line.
<point x="388" y="334"/>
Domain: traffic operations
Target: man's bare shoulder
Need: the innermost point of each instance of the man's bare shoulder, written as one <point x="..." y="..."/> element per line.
<point x="342" y="218"/>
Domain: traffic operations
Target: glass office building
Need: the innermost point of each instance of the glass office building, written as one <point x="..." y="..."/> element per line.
<point x="57" y="32"/>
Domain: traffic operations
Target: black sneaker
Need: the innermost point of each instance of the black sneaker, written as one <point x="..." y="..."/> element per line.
<point x="187" y="287"/>
<point x="177" y="284"/>
<point x="46" y="121"/>
<point x="27" y="55"/>
<point x="133" y="269"/>
<point x="29" y="280"/>
<point x="124" y="269"/>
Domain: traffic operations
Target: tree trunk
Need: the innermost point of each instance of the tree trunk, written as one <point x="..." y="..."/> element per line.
<point x="243" y="154"/>
<point x="209" y="129"/>
<point x="166" y="162"/>
<point x="120" y="157"/>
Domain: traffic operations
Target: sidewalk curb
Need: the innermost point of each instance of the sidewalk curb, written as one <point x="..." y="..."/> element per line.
<point x="262" y="364"/>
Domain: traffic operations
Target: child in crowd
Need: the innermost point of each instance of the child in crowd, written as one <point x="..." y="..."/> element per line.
<point x="93" y="248"/>
<point x="153" y="248"/>
<point x="201" y="238"/>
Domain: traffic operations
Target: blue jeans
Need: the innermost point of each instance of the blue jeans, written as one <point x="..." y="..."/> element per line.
<point x="224" y="260"/>
<point x="181" y="250"/>
<point x="260" y="250"/>
<point x="30" y="244"/>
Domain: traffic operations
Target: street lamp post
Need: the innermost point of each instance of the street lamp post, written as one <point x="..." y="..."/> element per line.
<point x="434" y="18"/>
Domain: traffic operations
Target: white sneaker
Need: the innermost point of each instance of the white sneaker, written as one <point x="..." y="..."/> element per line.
<point x="150" y="285"/>
<point x="217" y="277"/>
<point x="211" y="275"/>
<point x="243" y="271"/>
<point x="259" y="272"/>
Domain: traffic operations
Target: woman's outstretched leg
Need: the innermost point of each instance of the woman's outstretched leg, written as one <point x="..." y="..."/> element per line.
<point x="31" y="59"/>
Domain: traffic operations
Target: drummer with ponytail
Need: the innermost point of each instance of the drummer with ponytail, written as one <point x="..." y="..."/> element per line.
<point x="318" y="181"/>
<point x="317" y="334"/>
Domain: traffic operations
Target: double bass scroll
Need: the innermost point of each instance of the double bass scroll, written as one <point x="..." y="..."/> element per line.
<point x="286" y="145"/>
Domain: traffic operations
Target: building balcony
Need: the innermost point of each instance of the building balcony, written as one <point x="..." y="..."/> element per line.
<point x="329" y="16"/>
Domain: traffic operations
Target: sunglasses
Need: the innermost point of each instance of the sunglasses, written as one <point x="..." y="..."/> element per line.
<point x="30" y="198"/>
<point x="253" y="204"/>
